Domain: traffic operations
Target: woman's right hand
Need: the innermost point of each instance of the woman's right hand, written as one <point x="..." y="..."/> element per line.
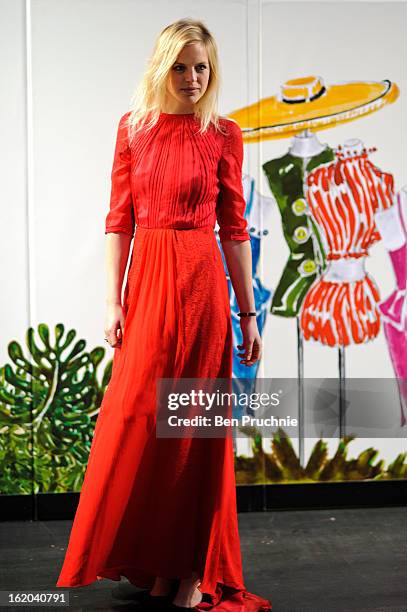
<point x="114" y="324"/>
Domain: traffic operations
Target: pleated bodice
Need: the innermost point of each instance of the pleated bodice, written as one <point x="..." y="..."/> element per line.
<point x="171" y="176"/>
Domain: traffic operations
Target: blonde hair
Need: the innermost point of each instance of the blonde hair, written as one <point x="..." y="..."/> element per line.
<point x="150" y="94"/>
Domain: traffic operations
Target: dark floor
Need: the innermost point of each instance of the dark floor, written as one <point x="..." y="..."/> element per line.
<point x="316" y="561"/>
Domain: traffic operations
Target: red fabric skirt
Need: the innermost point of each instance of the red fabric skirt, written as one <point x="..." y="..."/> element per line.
<point x="163" y="506"/>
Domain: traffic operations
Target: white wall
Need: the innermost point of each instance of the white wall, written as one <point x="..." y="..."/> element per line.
<point x="13" y="184"/>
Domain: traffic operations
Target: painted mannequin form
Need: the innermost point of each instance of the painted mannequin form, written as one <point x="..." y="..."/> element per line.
<point x="341" y="308"/>
<point x="286" y="177"/>
<point x="306" y="145"/>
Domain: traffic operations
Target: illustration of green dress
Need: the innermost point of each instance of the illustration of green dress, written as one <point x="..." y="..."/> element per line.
<point x="307" y="254"/>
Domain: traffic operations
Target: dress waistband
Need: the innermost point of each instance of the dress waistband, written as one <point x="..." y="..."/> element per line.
<point x="345" y="270"/>
<point x="158" y="227"/>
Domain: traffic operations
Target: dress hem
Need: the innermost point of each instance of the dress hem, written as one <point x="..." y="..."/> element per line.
<point x="210" y="601"/>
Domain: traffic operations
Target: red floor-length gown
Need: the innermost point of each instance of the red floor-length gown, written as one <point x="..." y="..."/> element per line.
<point x="152" y="506"/>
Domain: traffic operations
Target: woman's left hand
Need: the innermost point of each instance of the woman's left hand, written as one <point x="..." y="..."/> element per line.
<point x="252" y="344"/>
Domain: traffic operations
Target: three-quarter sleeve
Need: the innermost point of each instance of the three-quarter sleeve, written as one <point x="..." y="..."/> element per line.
<point x="120" y="217"/>
<point x="231" y="204"/>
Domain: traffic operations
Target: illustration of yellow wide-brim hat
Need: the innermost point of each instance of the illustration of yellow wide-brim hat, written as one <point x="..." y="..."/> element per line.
<point x="307" y="103"/>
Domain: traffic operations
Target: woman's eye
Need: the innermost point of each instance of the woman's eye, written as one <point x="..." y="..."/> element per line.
<point x="200" y="67"/>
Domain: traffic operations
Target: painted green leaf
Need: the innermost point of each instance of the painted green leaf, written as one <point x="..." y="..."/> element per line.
<point x="49" y="401"/>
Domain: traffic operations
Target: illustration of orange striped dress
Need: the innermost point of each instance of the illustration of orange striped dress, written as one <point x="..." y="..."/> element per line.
<point x="341" y="307"/>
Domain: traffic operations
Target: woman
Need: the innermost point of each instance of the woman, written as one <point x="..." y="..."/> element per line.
<point x="162" y="511"/>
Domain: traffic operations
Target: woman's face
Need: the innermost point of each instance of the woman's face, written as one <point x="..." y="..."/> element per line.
<point x="188" y="78"/>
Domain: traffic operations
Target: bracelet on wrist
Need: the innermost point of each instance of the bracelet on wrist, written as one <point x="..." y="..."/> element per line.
<point x="246" y="314"/>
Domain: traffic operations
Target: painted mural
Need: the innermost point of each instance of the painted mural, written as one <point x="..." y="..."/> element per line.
<point x="334" y="204"/>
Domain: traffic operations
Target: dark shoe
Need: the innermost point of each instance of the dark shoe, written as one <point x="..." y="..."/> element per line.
<point x="162" y="603"/>
<point x="176" y="608"/>
<point x="143" y="599"/>
<point x="156" y="603"/>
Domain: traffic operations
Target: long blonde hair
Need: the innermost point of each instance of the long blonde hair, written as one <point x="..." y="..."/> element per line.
<point x="149" y="96"/>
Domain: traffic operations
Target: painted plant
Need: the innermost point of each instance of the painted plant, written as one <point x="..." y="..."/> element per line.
<point x="49" y="400"/>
